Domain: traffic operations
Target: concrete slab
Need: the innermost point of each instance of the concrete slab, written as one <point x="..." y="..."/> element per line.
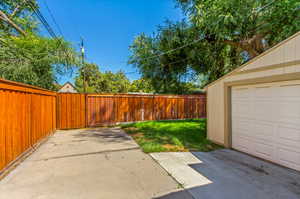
<point x="91" y="163"/>
<point x="232" y="175"/>
<point x="178" y="165"/>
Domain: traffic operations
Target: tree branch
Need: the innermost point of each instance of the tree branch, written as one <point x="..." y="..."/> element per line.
<point x="245" y="45"/>
<point x="5" y="18"/>
<point x="15" y="11"/>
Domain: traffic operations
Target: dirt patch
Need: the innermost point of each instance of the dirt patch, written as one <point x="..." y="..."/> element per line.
<point x="170" y="147"/>
<point x="131" y="129"/>
<point x="137" y="135"/>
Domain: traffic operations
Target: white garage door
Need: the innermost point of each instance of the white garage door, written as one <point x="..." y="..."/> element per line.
<point x="266" y="121"/>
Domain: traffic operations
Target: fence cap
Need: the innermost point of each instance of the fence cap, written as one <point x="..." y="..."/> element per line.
<point x="21" y="87"/>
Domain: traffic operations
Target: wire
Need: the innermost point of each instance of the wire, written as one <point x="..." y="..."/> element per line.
<point x="132" y="72"/>
<point x="42" y="19"/>
<point x="172" y="50"/>
<point x="265" y="6"/>
<point x="46" y="24"/>
<point x="53" y="19"/>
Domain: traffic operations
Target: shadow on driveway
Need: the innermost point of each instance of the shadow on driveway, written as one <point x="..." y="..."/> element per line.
<point x="237" y="175"/>
<point x="99" y="163"/>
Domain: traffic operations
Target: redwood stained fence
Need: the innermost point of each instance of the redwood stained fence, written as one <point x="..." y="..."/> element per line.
<point x="27" y="115"/>
<point x="111" y="109"/>
<point x="90" y="110"/>
<point x="70" y="111"/>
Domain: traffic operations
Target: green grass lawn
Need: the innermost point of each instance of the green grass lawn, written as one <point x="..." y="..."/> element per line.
<point x="173" y="135"/>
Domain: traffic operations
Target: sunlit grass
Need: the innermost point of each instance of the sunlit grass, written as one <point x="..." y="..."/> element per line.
<point x="174" y="135"/>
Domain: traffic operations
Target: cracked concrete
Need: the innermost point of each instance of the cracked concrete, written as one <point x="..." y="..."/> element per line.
<point x="91" y="163"/>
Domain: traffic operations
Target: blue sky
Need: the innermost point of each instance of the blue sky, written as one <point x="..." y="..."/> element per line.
<point x="108" y="27"/>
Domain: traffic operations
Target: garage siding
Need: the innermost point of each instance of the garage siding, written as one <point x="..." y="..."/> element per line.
<point x="283" y="59"/>
<point x="215" y="110"/>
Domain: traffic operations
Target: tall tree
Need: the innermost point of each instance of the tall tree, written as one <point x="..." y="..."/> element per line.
<point x="170" y="69"/>
<point x="102" y="82"/>
<point x="251" y="26"/>
<point x="141" y="86"/>
<point x="35" y="60"/>
<point x="219" y="36"/>
<point x="15" y="16"/>
<point x="25" y="55"/>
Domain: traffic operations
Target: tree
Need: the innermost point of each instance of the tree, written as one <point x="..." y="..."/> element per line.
<point x="15" y="16"/>
<point x="168" y="69"/>
<point x="251" y="26"/>
<point x="98" y="82"/>
<point x="141" y="86"/>
<point x="113" y="83"/>
<point x="26" y="56"/>
<point x="218" y="37"/>
<point x="92" y="74"/>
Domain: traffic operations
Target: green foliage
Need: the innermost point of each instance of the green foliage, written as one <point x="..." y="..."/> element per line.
<point x="252" y="26"/>
<point x="178" y="71"/>
<point x="31" y="58"/>
<point x="34" y="59"/>
<point x="20" y="13"/>
<point x="219" y="36"/>
<point x="141" y="86"/>
<point x="175" y="135"/>
<point x="102" y="82"/>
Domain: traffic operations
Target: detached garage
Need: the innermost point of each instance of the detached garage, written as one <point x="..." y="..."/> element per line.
<point x="256" y="108"/>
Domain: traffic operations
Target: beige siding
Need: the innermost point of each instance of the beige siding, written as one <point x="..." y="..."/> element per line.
<point x="281" y="59"/>
<point x="216" y="112"/>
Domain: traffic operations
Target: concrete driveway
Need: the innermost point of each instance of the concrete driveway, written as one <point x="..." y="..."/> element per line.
<point x="228" y="174"/>
<point x="88" y="164"/>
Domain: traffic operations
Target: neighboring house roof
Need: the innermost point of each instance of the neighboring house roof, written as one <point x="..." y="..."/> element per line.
<point x="68" y="87"/>
<point x="254" y="59"/>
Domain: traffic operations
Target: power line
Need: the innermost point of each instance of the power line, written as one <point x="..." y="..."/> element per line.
<point x="172" y="50"/>
<point x="46" y="24"/>
<point x="265" y="6"/>
<point x="53" y="19"/>
<point x="41" y="19"/>
<point x="196" y="41"/>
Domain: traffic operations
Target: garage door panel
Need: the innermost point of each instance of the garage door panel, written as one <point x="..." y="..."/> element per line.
<point x="243" y="125"/>
<point x="289" y="136"/>
<point x="241" y="93"/>
<point x="289" y="158"/>
<point x="242" y="109"/>
<point x="264" y="110"/>
<point x="264" y="92"/>
<point x="289" y="110"/>
<point x="266" y="121"/>
<point x="263" y="130"/>
<point x="264" y="150"/>
<point x="242" y="143"/>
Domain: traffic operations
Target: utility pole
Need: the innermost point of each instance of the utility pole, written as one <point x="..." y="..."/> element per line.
<point x="83" y="65"/>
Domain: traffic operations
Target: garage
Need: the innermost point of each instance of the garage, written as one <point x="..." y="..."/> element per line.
<point x="266" y="121"/>
<point x="256" y="108"/>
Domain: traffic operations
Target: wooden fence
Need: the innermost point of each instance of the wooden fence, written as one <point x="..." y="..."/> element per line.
<point x="78" y="110"/>
<point x="71" y="111"/>
<point x="27" y="114"/>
